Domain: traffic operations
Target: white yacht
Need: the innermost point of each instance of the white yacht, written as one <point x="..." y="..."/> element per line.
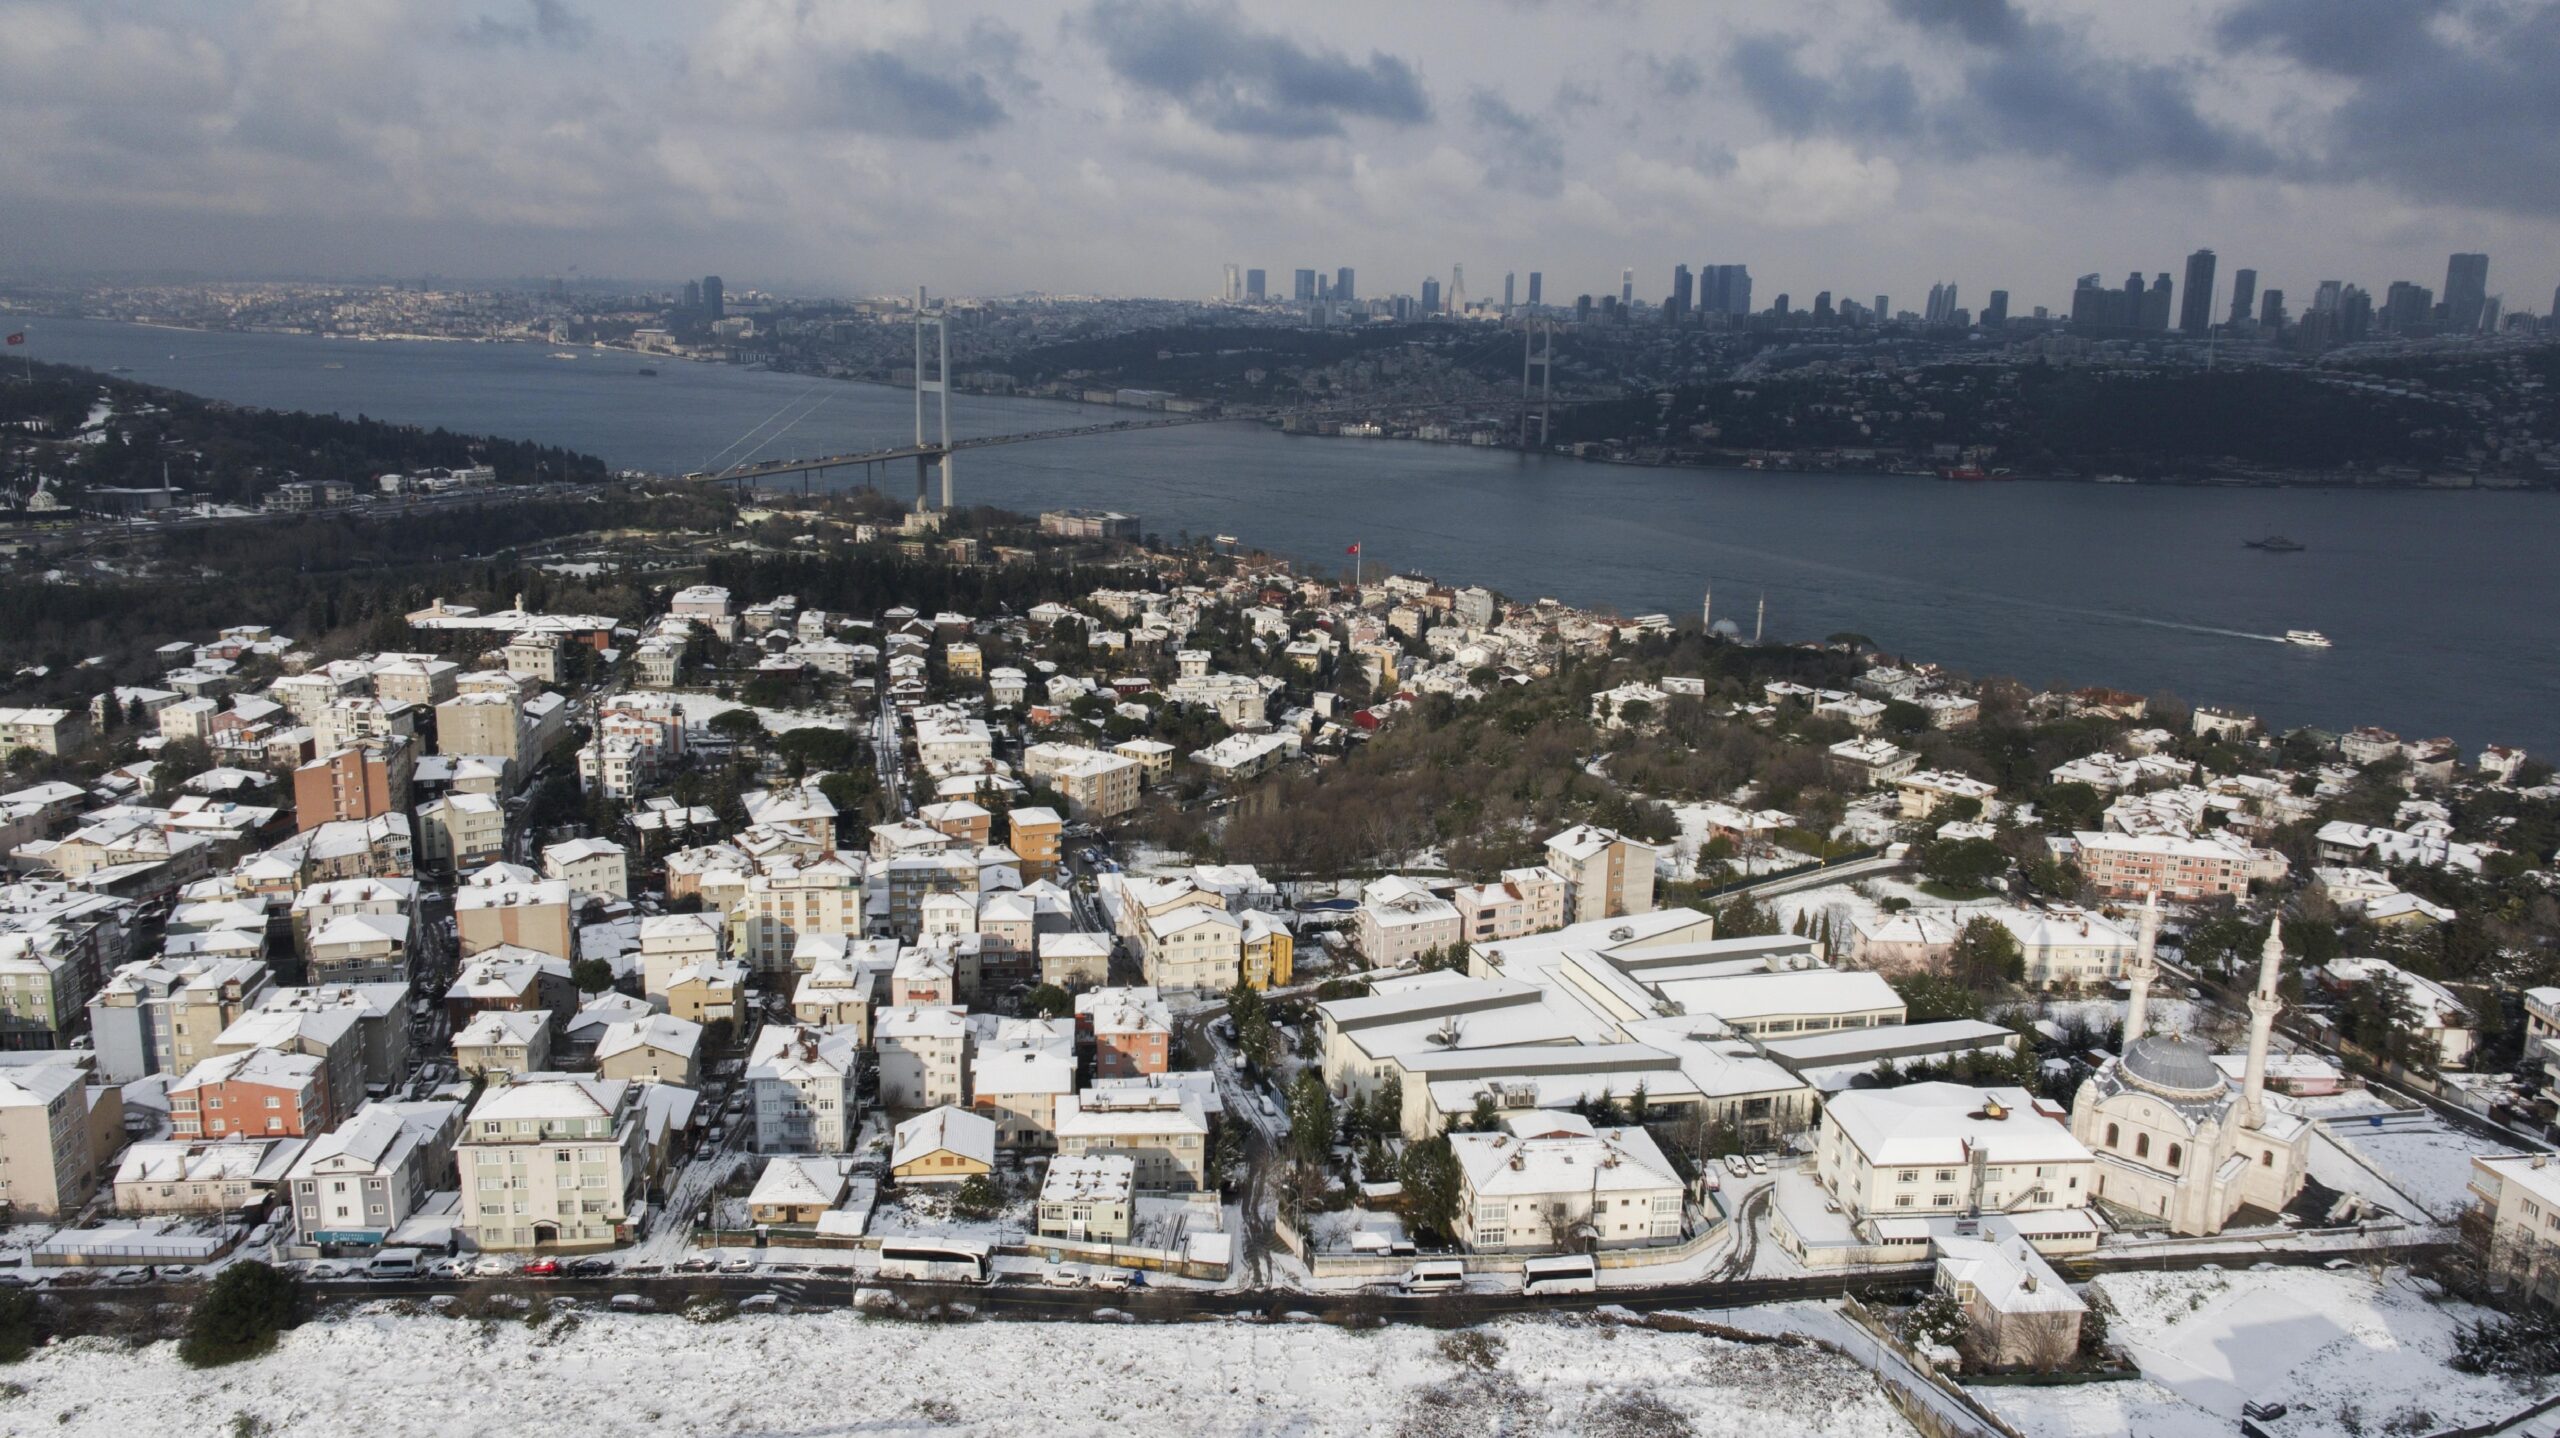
<point x="2308" y="638"/>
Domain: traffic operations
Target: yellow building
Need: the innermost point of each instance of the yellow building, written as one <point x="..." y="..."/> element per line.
<point x="1268" y="949"/>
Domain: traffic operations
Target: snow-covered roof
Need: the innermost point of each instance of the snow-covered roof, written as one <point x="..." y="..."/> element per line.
<point x="1924" y="1124"/>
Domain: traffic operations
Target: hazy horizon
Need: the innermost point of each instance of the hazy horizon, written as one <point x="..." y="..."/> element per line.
<point x="1135" y="147"/>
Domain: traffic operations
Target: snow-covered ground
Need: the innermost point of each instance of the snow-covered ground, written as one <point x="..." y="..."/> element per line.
<point x="2345" y="1355"/>
<point x="2423" y="1160"/>
<point x="699" y="708"/>
<point x="1847" y="903"/>
<point x="385" y="1376"/>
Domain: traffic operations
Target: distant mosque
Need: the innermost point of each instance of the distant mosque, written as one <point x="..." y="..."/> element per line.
<point x="2175" y="1143"/>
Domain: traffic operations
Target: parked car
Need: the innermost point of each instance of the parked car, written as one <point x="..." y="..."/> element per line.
<point x="1734" y="1165"/>
<point x="588" y="1267"/>
<point x="1759" y="1164"/>
<point x="541" y="1268"/>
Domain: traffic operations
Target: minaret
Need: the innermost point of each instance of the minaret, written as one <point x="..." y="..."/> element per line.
<point x="2264" y="1005"/>
<point x="2137" y="1013"/>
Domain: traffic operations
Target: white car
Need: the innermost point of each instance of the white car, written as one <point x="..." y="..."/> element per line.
<point x="1759" y="1165"/>
<point x="1734" y="1165"/>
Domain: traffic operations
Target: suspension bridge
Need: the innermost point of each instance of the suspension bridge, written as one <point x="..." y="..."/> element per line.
<point x="933" y="449"/>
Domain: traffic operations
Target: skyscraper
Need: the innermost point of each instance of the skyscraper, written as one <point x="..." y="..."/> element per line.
<point x="2355" y="314"/>
<point x="1996" y="313"/>
<point x="1822" y="308"/>
<point x="2196" y="315"/>
<point x="1937" y="304"/>
<point x="693" y="294"/>
<point x="1724" y="289"/>
<point x="1305" y="290"/>
<point x="1510" y="288"/>
<point x="1431" y="296"/>
<point x="2466" y="290"/>
<point x="714" y="302"/>
<point x="2406" y="307"/>
<point x="1784" y="305"/>
<point x="1680" y="292"/>
<point x="1626" y="287"/>
<point x="1254" y="284"/>
<point x="2271" y="311"/>
<point x="1235" y="284"/>
<point x="1457" y="289"/>
<point x="2244" y="295"/>
<point x="1342" y="285"/>
<point x="2324" y="300"/>
<point x="2155" y="305"/>
<point x="1884" y="308"/>
<point x="1535" y="279"/>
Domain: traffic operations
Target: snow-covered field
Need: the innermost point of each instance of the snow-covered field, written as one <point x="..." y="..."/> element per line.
<point x="699" y="708"/>
<point x="387" y="1376"/>
<point x="2415" y="1152"/>
<point x="2344" y="1355"/>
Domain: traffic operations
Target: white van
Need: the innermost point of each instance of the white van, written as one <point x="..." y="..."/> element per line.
<point x="1435" y="1275"/>
<point x="1566" y="1273"/>
<point x="395" y="1263"/>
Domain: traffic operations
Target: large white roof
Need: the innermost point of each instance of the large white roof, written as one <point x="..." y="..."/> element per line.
<point x="1923" y="1124"/>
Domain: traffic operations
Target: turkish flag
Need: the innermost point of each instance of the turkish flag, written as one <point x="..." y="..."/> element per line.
<point x="1355" y="549"/>
<point x="19" y="338"/>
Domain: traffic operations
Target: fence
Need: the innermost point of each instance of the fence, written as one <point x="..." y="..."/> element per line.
<point x="1940" y="1384"/>
<point x="1715" y="1234"/>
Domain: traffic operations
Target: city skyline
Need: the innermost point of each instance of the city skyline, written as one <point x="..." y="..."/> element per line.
<point x="1111" y="147"/>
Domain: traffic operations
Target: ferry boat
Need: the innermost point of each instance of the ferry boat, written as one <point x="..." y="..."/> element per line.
<point x="2275" y="544"/>
<point x="2116" y="479"/>
<point x="2307" y="638"/>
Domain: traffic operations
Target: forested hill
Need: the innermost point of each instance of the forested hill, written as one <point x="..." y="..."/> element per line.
<point x="78" y="429"/>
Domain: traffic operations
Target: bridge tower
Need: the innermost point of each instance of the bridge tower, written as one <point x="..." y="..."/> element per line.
<point x="1537" y="377"/>
<point x="940" y="388"/>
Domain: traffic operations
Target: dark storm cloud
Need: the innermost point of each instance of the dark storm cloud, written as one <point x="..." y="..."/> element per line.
<point x="1984" y="22"/>
<point x="2470" y="117"/>
<point x="1519" y="151"/>
<point x="2030" y="88"/>
<point x="1239" y="79"/>
<point x="2340" y="39"/>
<point x="1861" y="99"/>
<point x="1677" y="76"/>
<point x="551" y="23"/>
<point x="877" y="92"/>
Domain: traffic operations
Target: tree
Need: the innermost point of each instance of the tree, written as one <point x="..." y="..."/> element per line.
<point x="741" y="725"/>
<point x="22" y="1327"/>
<point x="1311" y="1119"/>
<point x="592" y="976"/>
<point x="1967" y="864"/>
<point x="1251" y="1016"/>
<point x="1930" y="999"/>
<point x="1986" y="956"/>
<point x="978" y="1198"/>
<point x="241" y="1314"/>
<point x="1048" y="1001"/>
<point x="1428" y="1172"/>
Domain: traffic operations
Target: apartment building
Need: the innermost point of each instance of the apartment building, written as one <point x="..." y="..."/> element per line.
<point x="803" y="1083"/>
<point x="154" y="1017"/>
<point x="1554" y="1182"/>
<point x="361" y="781"/>
<point x="922" y="1054"/>
<point x="486" y="723"/>
<point x="1524" y="901"/>
<point x="1606" y="874"/>
<point x="1941" y="1148"/>
<point x="552" y="1161"/>
<point x="2180" y="869"/>
<point x="1162" y="1132"/>
<point x="356" y="1184"/>
<point x="47" y="1165"/>
<point x="255" y="1092"/>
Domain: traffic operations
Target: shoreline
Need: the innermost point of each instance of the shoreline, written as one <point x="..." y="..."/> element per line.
<point x="2497" y="485"/>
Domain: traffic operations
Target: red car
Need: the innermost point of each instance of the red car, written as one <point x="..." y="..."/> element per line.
<point x="542" y="1268"/>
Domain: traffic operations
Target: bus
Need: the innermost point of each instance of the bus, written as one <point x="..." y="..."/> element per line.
<point x="1569" y="1273"/>
<point x="936" y="1260"/>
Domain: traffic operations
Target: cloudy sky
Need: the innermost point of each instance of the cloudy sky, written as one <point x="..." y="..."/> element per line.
<point x="1134" y="146"/>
